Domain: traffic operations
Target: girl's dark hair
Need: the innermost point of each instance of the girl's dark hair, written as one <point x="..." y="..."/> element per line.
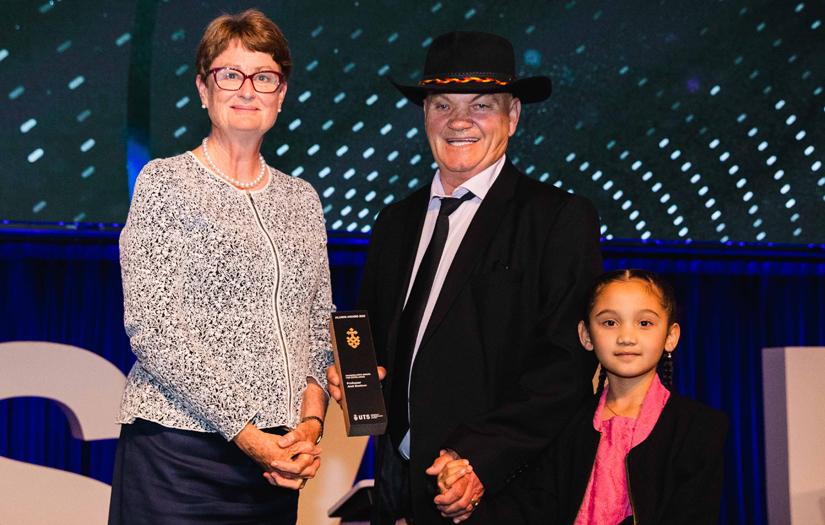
<point x="660" y="286"/>
<point x="667" y="297"/>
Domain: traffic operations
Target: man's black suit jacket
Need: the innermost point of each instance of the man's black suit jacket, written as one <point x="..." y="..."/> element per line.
<point x="499" y="369"/>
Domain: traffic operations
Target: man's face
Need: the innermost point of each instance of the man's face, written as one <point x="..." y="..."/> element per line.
<point x="469" y="132"/>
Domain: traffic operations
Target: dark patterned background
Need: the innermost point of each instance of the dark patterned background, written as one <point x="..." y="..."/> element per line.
<point x="680" y="120"/>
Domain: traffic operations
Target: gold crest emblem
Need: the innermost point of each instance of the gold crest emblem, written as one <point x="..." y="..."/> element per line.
<point x="353" y="339"/>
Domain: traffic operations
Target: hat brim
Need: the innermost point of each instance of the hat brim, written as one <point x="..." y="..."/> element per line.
<point x="529" y="90"/>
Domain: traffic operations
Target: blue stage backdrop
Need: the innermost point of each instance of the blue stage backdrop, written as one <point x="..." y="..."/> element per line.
<point x="66" y="288"/>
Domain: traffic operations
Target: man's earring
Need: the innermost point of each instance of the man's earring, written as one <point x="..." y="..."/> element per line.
<point x="203" y="106"/>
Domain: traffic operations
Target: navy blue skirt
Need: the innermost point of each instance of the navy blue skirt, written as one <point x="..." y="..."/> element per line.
<point x="168" y="476"/>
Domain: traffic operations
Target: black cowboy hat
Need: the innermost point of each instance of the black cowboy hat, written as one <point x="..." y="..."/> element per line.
<point x="473" y="62"/>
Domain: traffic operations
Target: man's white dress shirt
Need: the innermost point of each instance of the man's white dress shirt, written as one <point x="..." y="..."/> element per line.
<point x="460" y="220"/>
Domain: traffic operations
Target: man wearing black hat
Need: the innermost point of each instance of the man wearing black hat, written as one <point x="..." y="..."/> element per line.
<point x="475" y="285"/>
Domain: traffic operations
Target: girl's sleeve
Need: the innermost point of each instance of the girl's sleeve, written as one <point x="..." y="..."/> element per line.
<point x="152" y="255"/>
<point x="697" y="495"/>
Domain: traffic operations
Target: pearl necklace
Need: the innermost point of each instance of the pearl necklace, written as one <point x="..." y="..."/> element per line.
<point x="231" y="180"/>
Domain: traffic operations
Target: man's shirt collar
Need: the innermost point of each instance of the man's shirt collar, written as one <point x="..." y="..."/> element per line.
<point x="479" y="183"/>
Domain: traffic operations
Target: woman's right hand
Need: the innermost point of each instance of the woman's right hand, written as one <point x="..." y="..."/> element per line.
<point x="287" y="467"/>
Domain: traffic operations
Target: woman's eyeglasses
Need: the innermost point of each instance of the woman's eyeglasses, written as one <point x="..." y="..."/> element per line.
<point x="231" y="79"/>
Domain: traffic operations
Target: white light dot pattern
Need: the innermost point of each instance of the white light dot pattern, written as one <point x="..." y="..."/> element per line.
<point x="727" y="147"/>
<point x="65" y="118"/>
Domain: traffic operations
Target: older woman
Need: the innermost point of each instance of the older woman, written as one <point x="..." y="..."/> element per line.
<point x="227" y="299"/>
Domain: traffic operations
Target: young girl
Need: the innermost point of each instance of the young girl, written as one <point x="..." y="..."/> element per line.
<point x="637" y="453"/>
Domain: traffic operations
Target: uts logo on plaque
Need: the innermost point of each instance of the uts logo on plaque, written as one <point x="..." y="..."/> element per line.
<point x="362" y="402"/>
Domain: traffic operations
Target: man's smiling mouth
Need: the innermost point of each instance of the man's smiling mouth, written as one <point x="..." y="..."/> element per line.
<point x="463" y="141"/>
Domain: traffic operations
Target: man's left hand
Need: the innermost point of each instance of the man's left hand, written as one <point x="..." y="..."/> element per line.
<point x="460" y="499"/>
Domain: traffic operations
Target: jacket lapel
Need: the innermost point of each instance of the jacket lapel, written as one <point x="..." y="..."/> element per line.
<point x="412" y="220"/>
<point x="481" y="231"/>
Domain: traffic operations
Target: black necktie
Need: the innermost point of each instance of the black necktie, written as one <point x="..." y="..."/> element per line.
<point x="410" y="321"/>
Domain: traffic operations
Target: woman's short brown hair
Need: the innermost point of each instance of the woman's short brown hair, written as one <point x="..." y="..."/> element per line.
<point x="253" y="29"/>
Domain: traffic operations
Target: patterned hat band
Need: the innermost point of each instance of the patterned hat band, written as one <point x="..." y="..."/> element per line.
<point x="473" y="62"/>
<point x="463" y="80"/>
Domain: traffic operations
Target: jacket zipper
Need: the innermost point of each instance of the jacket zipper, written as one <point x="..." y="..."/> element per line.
<point x="629" y="491"/>
<point x="275" y="301"/>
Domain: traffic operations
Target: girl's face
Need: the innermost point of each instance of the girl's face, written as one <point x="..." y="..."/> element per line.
<point x="628" y="329"/>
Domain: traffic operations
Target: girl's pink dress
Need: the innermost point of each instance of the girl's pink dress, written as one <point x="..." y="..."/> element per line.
<point x="606" y="500"/>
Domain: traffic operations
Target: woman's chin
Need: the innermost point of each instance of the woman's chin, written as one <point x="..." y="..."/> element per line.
<point x="246" y="128"/>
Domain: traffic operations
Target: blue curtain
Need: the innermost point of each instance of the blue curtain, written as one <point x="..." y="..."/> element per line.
<point x="734" y="301"/>
<point x="62" y="289"/>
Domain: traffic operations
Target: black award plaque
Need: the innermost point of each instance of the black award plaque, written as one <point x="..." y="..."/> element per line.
<point x="362" y="401"/>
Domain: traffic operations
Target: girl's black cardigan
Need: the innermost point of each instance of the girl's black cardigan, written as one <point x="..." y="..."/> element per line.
<point x="675" y="474"/>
